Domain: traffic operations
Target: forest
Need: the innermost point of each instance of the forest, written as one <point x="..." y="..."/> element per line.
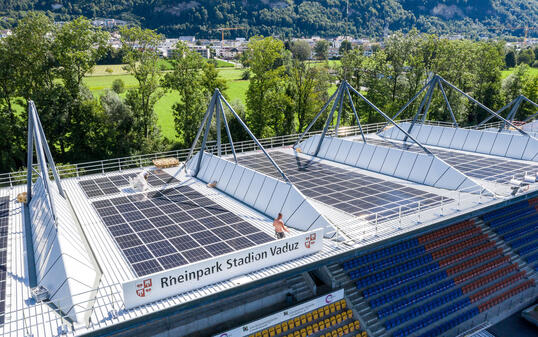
<point x="48" y="64"/>
<point x="289" y="18"/>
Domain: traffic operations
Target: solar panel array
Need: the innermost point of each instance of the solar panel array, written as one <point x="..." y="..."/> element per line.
<point x="475" y="166"/>
<point x="4" y="212"/>
<point x="351" y="192"/>
<point x="174" y="227"/>
<point x="111" y="185"/>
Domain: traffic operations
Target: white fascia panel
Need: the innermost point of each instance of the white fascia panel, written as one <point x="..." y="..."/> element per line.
<point x="378" y="158"/>
<point x="219" y="170"/>
<point x="391" y="161"/>
<point x="366" y="156"/>
<point x="459" y="139"/>
<point x="326" y="146"/>
<point x="405" y="165"/>
<point x="226" y="175"/>
<point x="279" y="197"/>
<point x="234" y="180"/>
<point x="502" y="142"/>
<point x="435" y="135"/>
<point x="446" y="137"/>
<point x="206" y="158"/>
<point x="486" y="142"/>
<point x="303" y="217"/>
<point x="424" y="134"/>
<point x="332" y="152"/>
<point x="208" y="169"/>
<point x="354" y="153"/>
<point x="420" y="169"/>
<point x="518" y="146"/>
<point x="254" y="188"/>
<point x="451" y="180"/>
<point x="306" y="146"/>
<point x="266" y="193"/>
<point x="531" y="151"/>
<point x="343" y="151"/>
<point x="437" y="169"/>
<point x="472" y="141"/>
<point x="244" y="184"/>
<point x="293" y="200"/>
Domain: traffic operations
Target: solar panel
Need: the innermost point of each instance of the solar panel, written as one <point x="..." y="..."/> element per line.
<point x="4" y="222"/>
<point x="174" y="227"/>
<point x="475" y="166"/>
<point x="348" y="191"/>
<point x="111" y="185"/>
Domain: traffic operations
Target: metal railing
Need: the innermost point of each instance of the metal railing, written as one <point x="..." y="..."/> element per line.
<point x="12" y="179"/>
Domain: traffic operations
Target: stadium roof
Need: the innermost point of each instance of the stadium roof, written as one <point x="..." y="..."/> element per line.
<point x="90" y="239"/>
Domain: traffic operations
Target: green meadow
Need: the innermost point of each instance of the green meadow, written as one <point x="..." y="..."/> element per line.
<point x="102" y="76"/>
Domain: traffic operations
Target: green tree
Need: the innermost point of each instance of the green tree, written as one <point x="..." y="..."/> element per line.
<point x="510" y="59"/>
<point x="265" y="92"/>
<point x="307" y="88"/>
<point x="118" y="86"/>
<point x="345" y="46"/>
<point x="301" y="50"/>
<point x="512" y="86"/>
<point x="77" y="47"/>
<point x="195" y="80"/>
<point x="488" y="63"/>
<point x="321" y="49"/>
<point x="526" y="56"/>
<point x="142" y="60"/>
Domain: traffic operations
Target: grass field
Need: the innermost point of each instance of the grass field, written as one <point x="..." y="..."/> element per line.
<point x="506" y="73"/>
<point x="102" y="77"/>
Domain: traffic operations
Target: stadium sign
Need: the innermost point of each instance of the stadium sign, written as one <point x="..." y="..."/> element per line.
<point x="175" y="281"/>
<point x="269" y="321"/>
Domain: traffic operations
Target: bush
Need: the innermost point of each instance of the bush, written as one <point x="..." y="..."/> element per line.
<point x="109" y="70"/>
<point x="118" y="86"/>
<point x="246" y="75"/>
<point x="535" y="64"/>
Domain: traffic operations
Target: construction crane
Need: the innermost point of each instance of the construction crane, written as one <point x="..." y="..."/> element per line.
<point x="222" y="30"/>
<point x="526" y="29"/>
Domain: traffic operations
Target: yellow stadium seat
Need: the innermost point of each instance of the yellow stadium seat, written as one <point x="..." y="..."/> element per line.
<point x="343" y="303"/>
<point x="309" y="329"/>
<point x="303" y="319"/>
<point x="258" y="334"/>
<point x="344" y="315"/>
<point x="297" y="321"/>
<point x="290" y="335"/>
<point x="339" y="318"/>
<point x="349" y="313"/>
<point x="265" y="334"/>
<point x="351" y="327"/>
<point x="315" y="327"/>
<point x="303" y="333"/>
<point x="331" y="307"/>
<point x="296" y="333"/>
<point x="278" y="330"/>
<point x="326" y="310"/>
<point x="340" y="332"/>
<point x="337" y="306"/>
<point x="334" y="333"/>
<point x="333" y="320"/>
<point x="364" y="334"/>
<point x="315" y="315"/>
<point x="291" y="324"/>
<point x="309" y="317"/>
<point x="357" y="325"/>
<point x="327" y="323"/>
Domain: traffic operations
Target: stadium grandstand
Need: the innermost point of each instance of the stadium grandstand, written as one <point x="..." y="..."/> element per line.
<point x="406" y="228"/>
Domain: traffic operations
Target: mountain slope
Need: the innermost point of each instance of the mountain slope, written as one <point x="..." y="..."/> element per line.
<point x="297" y="18"/>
